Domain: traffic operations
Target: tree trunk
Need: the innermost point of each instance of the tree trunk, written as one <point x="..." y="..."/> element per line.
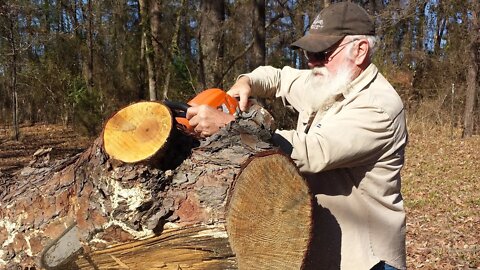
<point x="472" y="75"/>
<point x="173" y="50"/>
<point x="156" y="35"/>
<point x="189" y="247"/>
<point x="89" y="66"/>
<point x="230" y="202"/>
<point x="211" y="42"/>
<point x="13" y="74"/>
<point x="148" y="49"/>
<point x="259" y="49"/>
<point x="141" y="89"/>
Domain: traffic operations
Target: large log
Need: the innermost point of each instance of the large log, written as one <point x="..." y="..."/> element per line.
<point x="185" y="209"/>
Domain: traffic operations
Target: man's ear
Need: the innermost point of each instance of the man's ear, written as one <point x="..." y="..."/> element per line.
<point x="361" y="53"/>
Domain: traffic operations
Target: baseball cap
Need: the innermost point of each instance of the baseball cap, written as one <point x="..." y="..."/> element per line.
<point x="334" y="23"/>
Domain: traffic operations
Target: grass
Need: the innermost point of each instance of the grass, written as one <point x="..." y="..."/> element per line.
<point x="441" y="188"/>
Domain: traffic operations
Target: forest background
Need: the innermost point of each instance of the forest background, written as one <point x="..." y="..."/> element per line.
<point x="67" y="65"/>
<point x="77" y="61"/>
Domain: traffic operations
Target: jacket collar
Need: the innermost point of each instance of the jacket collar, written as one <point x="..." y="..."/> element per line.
<point x="362" y="81"/>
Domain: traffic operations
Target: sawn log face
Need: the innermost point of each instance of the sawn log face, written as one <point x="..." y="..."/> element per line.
<point x="269" y="218"/>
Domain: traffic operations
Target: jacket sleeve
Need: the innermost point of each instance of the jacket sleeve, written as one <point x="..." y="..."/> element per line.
<point x="264" y="81"/>
<point x="344" y="140"/>
<point x="287" y="83"/>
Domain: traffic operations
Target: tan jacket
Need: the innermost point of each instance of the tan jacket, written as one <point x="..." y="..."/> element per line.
<point x="351" y="155"/>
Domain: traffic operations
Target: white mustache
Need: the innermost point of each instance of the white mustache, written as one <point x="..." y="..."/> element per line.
<point x="320" y="71"/>
<point x="326" y="86"/>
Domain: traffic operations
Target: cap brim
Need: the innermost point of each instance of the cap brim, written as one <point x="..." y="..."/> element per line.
<point x="315" y="43"/>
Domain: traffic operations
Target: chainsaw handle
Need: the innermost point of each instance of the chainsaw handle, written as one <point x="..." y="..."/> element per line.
<point x="179" y="109"/>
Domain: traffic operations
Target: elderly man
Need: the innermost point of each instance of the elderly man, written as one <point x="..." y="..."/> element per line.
<point x="349" y="142"/>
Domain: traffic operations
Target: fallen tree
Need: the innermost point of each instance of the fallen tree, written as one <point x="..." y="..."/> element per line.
<point x="230" y="201"/>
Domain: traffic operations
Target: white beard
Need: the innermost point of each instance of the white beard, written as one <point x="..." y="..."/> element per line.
<point x="324" y="87"/>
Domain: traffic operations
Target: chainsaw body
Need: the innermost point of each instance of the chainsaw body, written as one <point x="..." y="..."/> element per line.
<point x="213" y="97"/>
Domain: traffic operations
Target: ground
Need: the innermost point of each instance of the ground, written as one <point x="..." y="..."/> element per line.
<point x="16" y="154"/>
<point x="441" y="188"/>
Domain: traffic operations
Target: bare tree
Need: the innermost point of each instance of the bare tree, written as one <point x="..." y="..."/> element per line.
<point x="211" y="41"/>
<point x="89" y="64"/>
<point x="173" y="50"/>
<point x="259" y="50"/>
<point x="147" y="49"/>
<point x="155" y="14"/>
<point x="472" y="73"/>
<point x="9" y="14"/>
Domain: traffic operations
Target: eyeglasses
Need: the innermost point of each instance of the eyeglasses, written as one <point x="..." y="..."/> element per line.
<point x="324" y="56"/>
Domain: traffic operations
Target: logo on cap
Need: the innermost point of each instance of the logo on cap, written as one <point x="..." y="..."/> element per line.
<point x="317" y="23"/>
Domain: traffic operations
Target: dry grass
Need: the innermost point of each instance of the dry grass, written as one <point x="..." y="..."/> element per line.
<point x="441" y="188"/>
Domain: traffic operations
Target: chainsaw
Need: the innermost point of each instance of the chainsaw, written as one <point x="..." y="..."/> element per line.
<point x="213" y="97"/>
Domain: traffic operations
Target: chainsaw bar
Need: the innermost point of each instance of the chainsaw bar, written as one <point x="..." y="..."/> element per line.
<point x="62" y="250"/>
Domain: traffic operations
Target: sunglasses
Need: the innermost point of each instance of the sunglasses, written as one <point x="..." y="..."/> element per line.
<point x="324" y="56"/>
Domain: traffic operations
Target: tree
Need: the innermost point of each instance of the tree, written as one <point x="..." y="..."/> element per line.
<point x="90" y="47"/>
<point x="259" y="33"/>
<point x="211" y="42"/>
<point x="173" y="50"/>
<point x="155" y="15"/>
<point x="147" y="49"/>
<point x="9" y="16"/>
<point x="472" y="73"/>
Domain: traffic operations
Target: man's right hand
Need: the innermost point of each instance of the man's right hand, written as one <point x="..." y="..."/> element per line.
<point x="241" y="89"/>
<point x="207" y="120"/>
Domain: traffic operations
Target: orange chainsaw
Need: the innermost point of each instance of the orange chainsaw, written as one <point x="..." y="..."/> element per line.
<point x="213" y="97"/>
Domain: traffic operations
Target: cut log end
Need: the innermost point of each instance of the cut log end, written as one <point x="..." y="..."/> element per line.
<point x="137" y="132"/>
<point x="269" y="219"/>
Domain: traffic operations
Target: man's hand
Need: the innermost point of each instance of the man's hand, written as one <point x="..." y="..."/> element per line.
<point x="241" y="89"/>
<point x="207" y="120"/>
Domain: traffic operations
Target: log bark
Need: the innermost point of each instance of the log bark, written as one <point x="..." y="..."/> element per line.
<point x="169" y="213"/>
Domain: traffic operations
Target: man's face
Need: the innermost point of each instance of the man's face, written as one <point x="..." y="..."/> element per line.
<point x="335" y="72"/>
<point x="339" y="57"/>
<point x="331" y="78"/>
<point x="325" y="86"/>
